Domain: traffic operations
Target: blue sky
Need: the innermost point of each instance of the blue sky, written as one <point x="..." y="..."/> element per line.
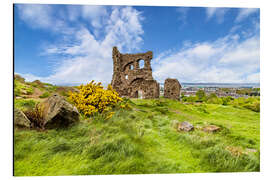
<point x="72" y="44"/>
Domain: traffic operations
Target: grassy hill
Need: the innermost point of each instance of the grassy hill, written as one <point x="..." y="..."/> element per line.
<point x="144" y="140"/>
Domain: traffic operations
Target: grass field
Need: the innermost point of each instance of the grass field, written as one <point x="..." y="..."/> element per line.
<point x="144" y="141"/>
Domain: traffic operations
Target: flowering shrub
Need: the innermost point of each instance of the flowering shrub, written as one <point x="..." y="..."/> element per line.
<point x="93" y="98"/>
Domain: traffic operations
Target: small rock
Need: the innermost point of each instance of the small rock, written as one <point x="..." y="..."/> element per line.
<point x="185" y="126"/>
<point x="211" y="128"/>
<point x="57" y="112"/>
<point x="20" y="119"/>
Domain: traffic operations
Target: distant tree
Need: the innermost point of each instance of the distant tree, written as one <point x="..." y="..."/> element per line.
<point x="182" y="95"/>
<point x="200" y="94"/>
<point x="226" y="100"/>
<point x="256" y="89"/>
<point x="213" y="99"/>
<point x="212" y="95"/>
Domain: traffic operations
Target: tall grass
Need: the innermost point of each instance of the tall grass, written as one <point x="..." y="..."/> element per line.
<point x="144" y="141"/>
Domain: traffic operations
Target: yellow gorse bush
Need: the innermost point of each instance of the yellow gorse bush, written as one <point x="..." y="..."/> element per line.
<point x="93" y="98"/>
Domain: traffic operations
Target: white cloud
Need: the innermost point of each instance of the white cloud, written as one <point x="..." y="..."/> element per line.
<point x="244" y="13"/>
<point x="56" y="19"/>
<point x="42" y="16"/>
<point x="225" y="60"/>
<point x="73" y="12"/>
<point x="88" y="57"/>
<point x="37" y="16"/>
<point x="219" y="13"/>
<point x="94" y="13"/>
<point x="255" y="77"/>
<point x="245" y="52"/>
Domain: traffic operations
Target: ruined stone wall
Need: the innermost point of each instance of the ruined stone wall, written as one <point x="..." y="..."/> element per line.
<point x="129" y="78"/>
<point x="172" y="89"/>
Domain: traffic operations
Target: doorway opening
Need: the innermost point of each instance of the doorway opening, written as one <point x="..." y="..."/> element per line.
<point x="140" y="94"/>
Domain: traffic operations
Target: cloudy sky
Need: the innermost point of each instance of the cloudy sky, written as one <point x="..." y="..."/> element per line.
<point x="72" y="44"/>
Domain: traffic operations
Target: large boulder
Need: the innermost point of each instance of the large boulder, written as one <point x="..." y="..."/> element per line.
<point x="20" y="119"/>
<point x="185" y="126"/>
<point x="57" y="112"/>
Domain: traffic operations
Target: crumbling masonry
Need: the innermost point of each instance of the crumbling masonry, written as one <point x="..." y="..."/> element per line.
<point x="172" y="89"/>
<point x="131" y="80"/>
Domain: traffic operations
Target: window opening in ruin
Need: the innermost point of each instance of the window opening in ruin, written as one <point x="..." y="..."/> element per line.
<point x="140" y="94"/>
<point x="131" y="67"/>
<point x="141" y="64"/>
<point x="126" y="76"/>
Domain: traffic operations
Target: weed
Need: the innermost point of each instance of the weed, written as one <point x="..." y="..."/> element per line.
<point x="36" y="116"/>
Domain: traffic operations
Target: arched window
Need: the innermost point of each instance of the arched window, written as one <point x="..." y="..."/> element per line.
<point x="131" y="67"/>
<point x="126" y="76"/>
<point x="141" y="64"/>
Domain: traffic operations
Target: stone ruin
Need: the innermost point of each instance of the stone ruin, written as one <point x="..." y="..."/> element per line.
<point x="172" y="89"/>
<point x="130" y="78"/>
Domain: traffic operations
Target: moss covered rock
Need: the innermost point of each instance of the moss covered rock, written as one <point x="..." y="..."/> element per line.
<point x="57" y="112"/>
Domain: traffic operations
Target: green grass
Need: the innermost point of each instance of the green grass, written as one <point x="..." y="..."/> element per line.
<point x="24" y="104"/>
<point x="144" y="141"/>
<point x="45" y="95"/>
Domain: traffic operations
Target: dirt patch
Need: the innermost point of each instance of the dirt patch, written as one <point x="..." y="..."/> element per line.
<point x="36" y="93"/>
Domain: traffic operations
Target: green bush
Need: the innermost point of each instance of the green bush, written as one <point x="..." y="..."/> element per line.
<point x="201" y="97"/>
<point x="255" y="106"/>
<point x="189" y="99"/>
<point x="251" y="103"/>
<point x="226" y="100"/>
<point x="213" y="99"/>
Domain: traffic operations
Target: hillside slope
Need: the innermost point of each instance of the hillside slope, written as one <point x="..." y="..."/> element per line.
<point x="144" y="140"/>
